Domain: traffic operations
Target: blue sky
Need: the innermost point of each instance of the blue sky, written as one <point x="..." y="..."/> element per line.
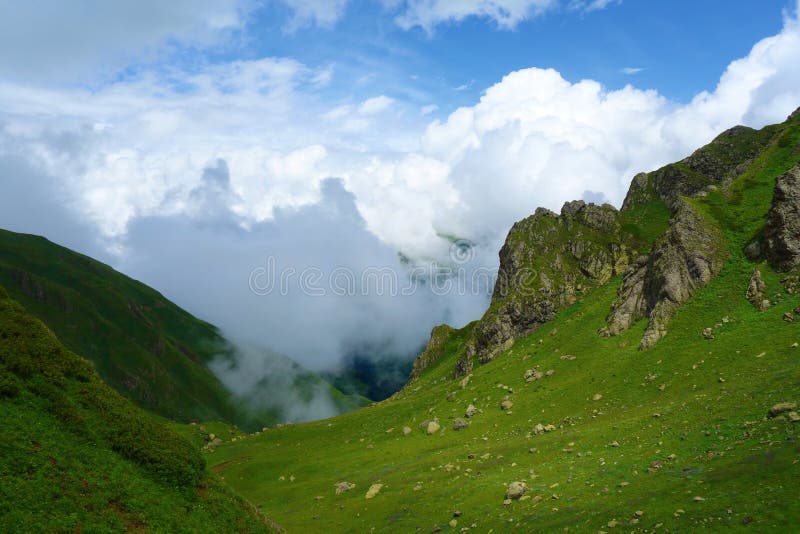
<point x="163" y="136"/>
<point x="681" y="46"/>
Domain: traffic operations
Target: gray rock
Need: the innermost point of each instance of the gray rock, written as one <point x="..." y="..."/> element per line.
<point x="683" y="260"/>
<point x="782" y="407"/>
<point x="515" y="490"/>
<point x="782" y="230"/>
<point x="756" y="291"/>
<point x="470" y="411"/>
<point x="460" y="423"/>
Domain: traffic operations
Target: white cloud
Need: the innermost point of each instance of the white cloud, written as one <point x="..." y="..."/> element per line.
<point x="507" y="14"/>
<point x="631" y="70"/>
<point x="591" y="5"/>
<point x="320" y="13"/>
<point x="55" y="39"/>
<point x="427" y="110"/>
<point x="375" y="105"/>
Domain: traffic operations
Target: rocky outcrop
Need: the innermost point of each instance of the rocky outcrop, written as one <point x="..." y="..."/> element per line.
<point x="684" y="259"/>
<point x="433" y="351"/>
<point x="756" y="291"/>
<point x="781" y="243"/>
<point x="546" y="263"/>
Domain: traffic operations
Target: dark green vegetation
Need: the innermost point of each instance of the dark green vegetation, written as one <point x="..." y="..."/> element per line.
<point x="142" y="345"/>
<point x="76" y="456"/>
<point x="607" y="437"/>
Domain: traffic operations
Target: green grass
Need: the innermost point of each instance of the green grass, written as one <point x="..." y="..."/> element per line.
<point x="696" y="450"/>
<point x="76" y="456"/>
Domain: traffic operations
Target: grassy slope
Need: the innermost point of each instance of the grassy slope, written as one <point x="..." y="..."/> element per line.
<point x="703" y="401"/>
<point x="76" y="456"/>
<point x="141" y="344"/>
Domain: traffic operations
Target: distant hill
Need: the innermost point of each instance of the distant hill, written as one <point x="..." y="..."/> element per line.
<point x="75" y="456"/>
<point x="141" y="344"/>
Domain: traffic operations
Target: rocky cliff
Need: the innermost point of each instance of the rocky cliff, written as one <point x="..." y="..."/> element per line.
<point x="549" y="260"/>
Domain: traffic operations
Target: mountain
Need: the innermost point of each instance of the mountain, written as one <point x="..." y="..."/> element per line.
<point x="76" y="456"/>
<point x="141" y="344"/>
<point x="637" y="369"/>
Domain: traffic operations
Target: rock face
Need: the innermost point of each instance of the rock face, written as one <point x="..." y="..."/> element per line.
<point x="684" y="259"/>
<point x="546" y="263"/>
<point x="433" y="351"/>
<point x="781" y="244"/>
<point x="756" y="291"/>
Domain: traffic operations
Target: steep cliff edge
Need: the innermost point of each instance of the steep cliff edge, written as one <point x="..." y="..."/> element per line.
<point x="663" y="243"/>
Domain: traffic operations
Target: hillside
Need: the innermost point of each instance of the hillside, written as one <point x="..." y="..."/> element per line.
<point x="637" y="370"/>
<point x="76" y="456"/>
<point x="142" y="345"/>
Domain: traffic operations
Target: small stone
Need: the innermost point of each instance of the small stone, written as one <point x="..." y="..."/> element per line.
<point x="406" y="430"/>
<point x="532" y="375"/>
<point x="515" y="490"/>
<point x="782" y="407"/>
<point x="698" y="499"/>
<point x="611" y="524"/>
<point x="373" y="491"/>
<point x="458" y="513"/>
<point x="638" y="513"/>
<point x="451" y="396"/>
<point x="506" y="405"/>
<point x="615" y="444"/>
<point x="460" y="424"/>
<point x="341" y="487"/>
<point x="708" y="333"/>
<point x="506" y="502"/>
<point x="453" y="523"/>
<point x="432" y="428"/>
<point x="470" y="411"/>
<point x="794" y="417"/>
<point x="597" y="397"/>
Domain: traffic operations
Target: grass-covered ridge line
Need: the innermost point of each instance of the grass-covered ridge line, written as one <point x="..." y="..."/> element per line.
<point x="75" y="455"/>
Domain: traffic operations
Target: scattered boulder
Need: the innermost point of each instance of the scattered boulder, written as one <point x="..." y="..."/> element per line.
<point x="432" y="427"/>
<point x="756" y="291"/>
<point x="470" y="411"/>
<point x="406" y="430"/>
<point x="515" y="490"/>
<point x="567" y="357"/>
<point x="597" y="397"/>
<point x="341" y="487"/>
<point x="788" y="317"/>
<point x="532" y="375"/>
<point x="460" y="423"/>
<point x="781" y="408"/>
<point x="708" y="333"/>
<point x="373" y="491"/>
<point x="506" y="404"/>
